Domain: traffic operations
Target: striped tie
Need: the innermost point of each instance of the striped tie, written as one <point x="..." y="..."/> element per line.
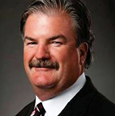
<point x="41" y="111"/>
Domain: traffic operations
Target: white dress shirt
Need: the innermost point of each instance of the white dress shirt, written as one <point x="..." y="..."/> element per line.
<point x="54" y="106"/>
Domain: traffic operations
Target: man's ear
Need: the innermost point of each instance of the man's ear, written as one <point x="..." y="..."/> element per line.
<point x="83" y="49"/>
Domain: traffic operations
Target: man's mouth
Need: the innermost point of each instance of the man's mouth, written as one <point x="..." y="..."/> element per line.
<point x="42" y="69"/>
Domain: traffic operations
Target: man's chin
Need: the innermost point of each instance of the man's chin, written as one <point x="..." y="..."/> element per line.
<point x="44" y="86"/>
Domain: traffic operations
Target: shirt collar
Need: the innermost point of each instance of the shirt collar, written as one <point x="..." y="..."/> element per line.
<point x="55" y="105"/>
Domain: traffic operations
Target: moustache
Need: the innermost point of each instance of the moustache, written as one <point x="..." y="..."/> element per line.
<point x="44" y="64"/>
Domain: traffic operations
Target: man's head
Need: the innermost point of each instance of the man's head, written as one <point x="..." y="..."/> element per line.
<point x="57" y="43"/>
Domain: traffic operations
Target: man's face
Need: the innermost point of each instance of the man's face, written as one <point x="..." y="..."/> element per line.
<point x="51" y="39"/>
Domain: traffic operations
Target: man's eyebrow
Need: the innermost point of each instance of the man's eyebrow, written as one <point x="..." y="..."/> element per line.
<point x="51" y="38"/>
<point x="57" y="37"/>
<point x="29" y="38"/>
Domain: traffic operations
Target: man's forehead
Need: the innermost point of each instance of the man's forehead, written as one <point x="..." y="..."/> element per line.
<point x="41" y="23"/>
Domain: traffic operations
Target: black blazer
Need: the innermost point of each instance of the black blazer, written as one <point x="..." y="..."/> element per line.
<point x="88" y="102"/>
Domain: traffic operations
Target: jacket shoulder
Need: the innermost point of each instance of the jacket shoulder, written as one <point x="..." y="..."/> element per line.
<point x="101" y="106"/>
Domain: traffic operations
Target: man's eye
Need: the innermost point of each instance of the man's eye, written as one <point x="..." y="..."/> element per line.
<point x="31" y="43"/>
<point x="57" y="43"/>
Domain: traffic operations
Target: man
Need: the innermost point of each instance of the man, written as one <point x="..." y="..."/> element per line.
<point x="57" y="50"/>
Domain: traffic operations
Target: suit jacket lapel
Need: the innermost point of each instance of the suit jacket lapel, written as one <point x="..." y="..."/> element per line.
<point x="30" y="109"/>
<point x="79" y="104"/>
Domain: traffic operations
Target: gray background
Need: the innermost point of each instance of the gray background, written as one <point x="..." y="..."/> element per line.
<point x="15" y="89"/>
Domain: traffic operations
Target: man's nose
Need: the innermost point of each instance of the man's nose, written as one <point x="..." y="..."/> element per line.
<point x="42" y="51"/>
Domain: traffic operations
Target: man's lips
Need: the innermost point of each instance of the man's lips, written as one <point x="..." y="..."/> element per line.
<point x="42" y="69"/>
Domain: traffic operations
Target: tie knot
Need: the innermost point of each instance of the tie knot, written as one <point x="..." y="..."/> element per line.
<point x="41" y="109"/>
